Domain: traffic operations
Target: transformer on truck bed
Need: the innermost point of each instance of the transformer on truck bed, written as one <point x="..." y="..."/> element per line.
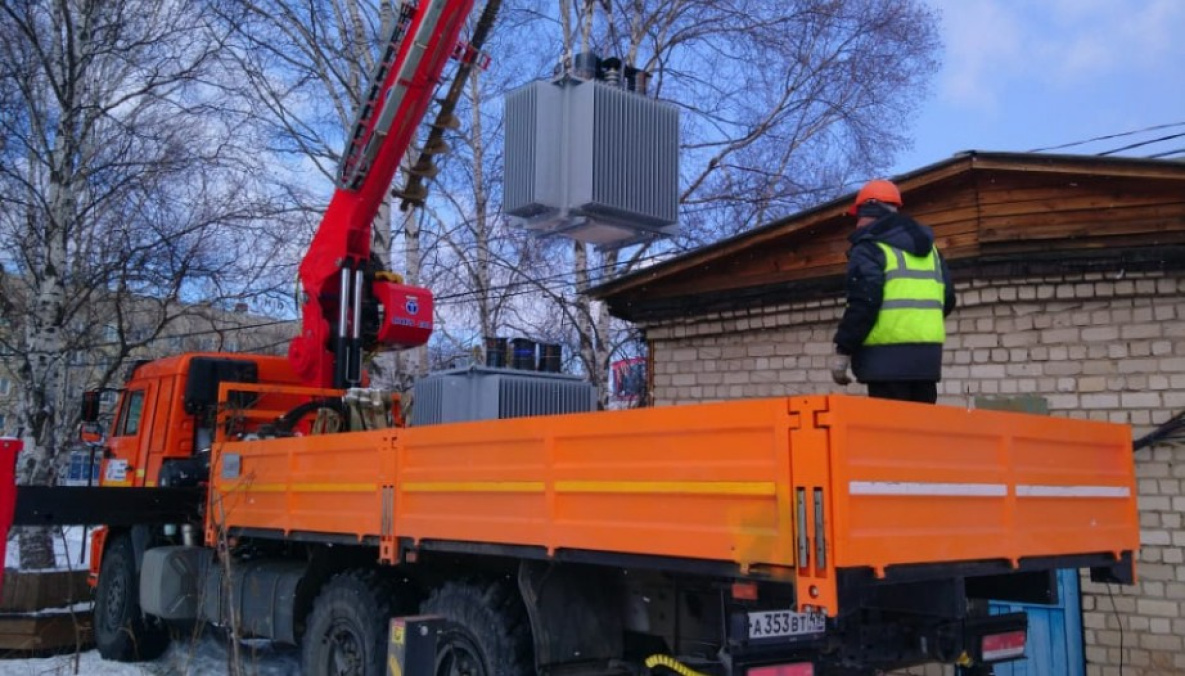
<point x="785" y="536"/>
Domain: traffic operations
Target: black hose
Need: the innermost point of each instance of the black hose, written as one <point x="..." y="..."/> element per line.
<point x="286" y="423"/>
<point x="1166" y="430"/>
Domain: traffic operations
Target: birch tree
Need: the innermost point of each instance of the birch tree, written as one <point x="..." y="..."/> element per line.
<point x="120" y="177"/>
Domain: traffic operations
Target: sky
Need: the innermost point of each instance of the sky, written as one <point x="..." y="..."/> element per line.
<point x="1020" y="75"/>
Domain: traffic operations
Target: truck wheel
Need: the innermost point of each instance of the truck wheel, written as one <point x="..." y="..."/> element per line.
<point x="346" y="633"/>
<point x="487" y="632"/>
<point x="122" y="633"/>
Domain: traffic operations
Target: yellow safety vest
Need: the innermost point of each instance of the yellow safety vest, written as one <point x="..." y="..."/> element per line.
<point x="911" y="307"/>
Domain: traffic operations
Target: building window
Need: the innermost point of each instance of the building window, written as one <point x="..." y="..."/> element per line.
<point x="3" y="423"/>
<point x="5" y="387"/>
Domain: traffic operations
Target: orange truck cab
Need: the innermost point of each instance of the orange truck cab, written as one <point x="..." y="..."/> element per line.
<point x="167" y="415"/>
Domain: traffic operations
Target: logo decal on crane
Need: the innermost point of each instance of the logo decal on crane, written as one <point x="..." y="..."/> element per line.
<point x="412" y="305"/>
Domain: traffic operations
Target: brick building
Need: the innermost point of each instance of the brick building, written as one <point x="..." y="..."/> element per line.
<point x="1070" y="273"/>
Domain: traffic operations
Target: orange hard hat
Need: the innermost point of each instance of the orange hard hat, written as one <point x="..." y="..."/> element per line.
<point x="879" y="190"/>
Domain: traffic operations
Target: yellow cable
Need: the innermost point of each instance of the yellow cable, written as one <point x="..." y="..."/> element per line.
<point x="672" y="664"/>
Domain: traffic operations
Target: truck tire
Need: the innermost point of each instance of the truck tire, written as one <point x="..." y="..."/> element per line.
<point x="487" y="632"/>
<point x="346" y="632"/>
<point x="122" y="632"/>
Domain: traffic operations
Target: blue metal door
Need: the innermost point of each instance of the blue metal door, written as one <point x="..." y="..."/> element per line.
<point x="1054" y="646"/>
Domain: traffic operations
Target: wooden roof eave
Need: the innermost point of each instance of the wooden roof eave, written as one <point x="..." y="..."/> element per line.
<point x="1118" y="167"/>
<point x="972" y="162"/>
<point x="777" y="230"/>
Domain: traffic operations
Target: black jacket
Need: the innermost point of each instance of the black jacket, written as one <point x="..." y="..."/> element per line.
<point x="865" y="290"/>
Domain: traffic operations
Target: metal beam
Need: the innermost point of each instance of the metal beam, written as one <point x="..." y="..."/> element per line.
<point x="102" y="505"/>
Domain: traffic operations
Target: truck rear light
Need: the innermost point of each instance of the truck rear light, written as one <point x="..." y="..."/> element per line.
<point x="1006" y="646"/>
<point x="803" y="669"/>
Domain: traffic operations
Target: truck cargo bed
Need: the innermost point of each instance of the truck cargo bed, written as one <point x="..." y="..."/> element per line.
<point x="793" y="487"/>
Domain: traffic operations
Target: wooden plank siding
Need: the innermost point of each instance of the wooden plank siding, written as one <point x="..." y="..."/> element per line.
<point x="980" y="206"/>
<point x="1023" y="207"/>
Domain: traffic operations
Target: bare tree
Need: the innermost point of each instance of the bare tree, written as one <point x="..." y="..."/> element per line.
<point x="123" y="192"/>
<point x="303" y="67"/>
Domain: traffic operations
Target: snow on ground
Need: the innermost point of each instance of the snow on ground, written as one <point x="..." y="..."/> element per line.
<point x="201" y="657"/>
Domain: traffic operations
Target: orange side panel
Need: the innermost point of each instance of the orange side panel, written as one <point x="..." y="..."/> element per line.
<point x="914" y="483"/>
<point x="315" y="484"/>
<point x="707" y="482"/>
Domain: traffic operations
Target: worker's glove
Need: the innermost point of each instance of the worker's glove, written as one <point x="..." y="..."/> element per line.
<point x="839" y="369"/>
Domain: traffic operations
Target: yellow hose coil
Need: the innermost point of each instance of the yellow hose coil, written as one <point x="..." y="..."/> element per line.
<point x="672" y="664"/>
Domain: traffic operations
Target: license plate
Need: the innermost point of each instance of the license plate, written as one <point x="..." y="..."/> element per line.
<point x="783" y="623"/>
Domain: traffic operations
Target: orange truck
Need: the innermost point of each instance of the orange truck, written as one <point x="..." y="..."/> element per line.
<point x="796" y="535"/>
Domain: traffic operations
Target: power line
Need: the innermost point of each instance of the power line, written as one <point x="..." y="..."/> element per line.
<point x="1142" y="143"/>
<point x="1167" y="153"/>
<point x="539" y="281"/>
<point x="1108" y="137"/>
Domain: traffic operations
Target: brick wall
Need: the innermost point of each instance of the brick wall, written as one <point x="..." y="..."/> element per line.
<point x="1100" y="346"/>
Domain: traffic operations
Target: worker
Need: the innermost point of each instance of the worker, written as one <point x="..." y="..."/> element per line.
<point x="898" y="294"/>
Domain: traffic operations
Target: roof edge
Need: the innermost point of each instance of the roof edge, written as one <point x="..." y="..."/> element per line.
<point x="968" y="160"/>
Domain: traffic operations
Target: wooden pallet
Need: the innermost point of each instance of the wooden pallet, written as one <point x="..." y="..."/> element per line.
<point x="29" y="591"/>
<point x="46" y="631"/>
<point x="34" y="611"/>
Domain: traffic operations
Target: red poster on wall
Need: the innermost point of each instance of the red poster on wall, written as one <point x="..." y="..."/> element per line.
<point x="629" y="379"/>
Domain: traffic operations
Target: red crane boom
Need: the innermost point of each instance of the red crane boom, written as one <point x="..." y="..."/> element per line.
<point x="350" y="306"/>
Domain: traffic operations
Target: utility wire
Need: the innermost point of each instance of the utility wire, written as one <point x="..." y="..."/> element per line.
<point x="1141" y="144"/>
<point x="1167" y="153"/>
<point x="545" y="281"/>
<point x="1110" y="136"/>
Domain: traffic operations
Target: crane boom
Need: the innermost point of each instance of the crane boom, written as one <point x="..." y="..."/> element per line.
<point x="348" y="305"/>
